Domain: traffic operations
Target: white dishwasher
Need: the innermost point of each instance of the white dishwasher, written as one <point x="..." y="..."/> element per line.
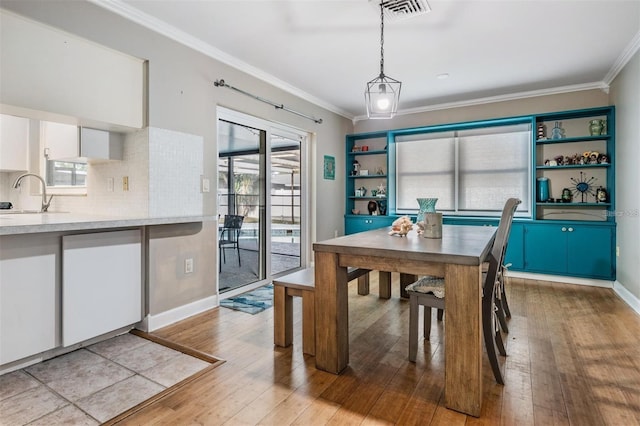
<point x="101" y="283"/>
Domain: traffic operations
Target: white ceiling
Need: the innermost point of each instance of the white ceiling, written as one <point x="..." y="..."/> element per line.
<point x="326" y="50"/>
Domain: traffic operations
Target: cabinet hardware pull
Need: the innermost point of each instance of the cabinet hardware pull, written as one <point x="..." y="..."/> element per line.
<point x="570" y="229"/>
<point x="564" y="229"/>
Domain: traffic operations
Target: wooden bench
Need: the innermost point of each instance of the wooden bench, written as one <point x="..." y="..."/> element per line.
<point x="301" y="284"/>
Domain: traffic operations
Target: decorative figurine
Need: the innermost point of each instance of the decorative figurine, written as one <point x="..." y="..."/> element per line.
<point x="566" y="195"/>
<point x="356" y="168"/>
<point x="603" y="159"/>
<point x="601" y="195"/>
<point x="382" y="191"/>
<point x="372" y="207"/>
<point x="541" y="132"/>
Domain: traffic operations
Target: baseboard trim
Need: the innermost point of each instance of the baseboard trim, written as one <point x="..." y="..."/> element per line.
<point x="154" y="322"/>
<point x="562" y="279"/>
<point x="627" y="296"/>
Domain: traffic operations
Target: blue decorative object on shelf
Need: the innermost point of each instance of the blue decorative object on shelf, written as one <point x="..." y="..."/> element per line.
<point x="557" y="132"/>
<point x="543" y="189"/>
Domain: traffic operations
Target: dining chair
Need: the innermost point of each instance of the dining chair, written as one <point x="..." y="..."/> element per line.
<point x="229" y="237"/>
<point x="429" y="292"/>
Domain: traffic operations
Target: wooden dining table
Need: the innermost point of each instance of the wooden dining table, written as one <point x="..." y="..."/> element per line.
<point x="457" y="256"/>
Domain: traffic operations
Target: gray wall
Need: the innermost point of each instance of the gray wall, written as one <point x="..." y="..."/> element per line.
<point x="625" y="94"/>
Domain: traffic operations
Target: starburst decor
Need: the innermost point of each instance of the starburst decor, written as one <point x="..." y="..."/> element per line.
<point x="583" y="186"/>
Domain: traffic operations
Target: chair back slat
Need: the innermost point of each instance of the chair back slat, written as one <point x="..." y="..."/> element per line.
<point x="233" y="221"/>
<point x="496" y="257"/>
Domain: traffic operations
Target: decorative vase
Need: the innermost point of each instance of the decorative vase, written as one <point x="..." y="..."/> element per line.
<point x="543" y="189"/>
<point x="427" y="205"/>
<point x="557" y="132"/>
<point x="372" y="207"/>
<point x="596" y="127"/>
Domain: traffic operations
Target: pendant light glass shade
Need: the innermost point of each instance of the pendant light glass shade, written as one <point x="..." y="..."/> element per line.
<point x="383" y="93"/>
<point x="382" y="96"/>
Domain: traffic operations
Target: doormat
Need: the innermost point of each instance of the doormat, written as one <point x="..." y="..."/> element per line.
<point x="252" y="302"/>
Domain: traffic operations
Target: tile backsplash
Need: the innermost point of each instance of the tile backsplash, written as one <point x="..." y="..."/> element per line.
<point x="163" y="168"/>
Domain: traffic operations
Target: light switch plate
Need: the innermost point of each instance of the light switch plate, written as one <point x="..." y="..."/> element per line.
<point x="205" y="186"/>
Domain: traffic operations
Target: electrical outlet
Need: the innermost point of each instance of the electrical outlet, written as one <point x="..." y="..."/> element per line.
<point x="617" y="251"/>
<point x="110" y="184"/>
<point x="188" y="265"/>
<point x="125" y="183"/>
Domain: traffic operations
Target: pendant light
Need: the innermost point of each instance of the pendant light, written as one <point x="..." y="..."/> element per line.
<point x="383" y="92"/>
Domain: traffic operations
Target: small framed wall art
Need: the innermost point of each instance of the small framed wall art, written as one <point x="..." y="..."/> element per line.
<point x="329" y="167"/>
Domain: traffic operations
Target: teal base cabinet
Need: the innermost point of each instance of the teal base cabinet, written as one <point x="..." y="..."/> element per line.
<point x="361" y="223"/>
<point x="570" y="248"/>
<point x="515" y="248"/>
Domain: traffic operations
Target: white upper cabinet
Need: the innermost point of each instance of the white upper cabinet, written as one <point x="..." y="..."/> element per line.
<point x="69" y="142"/>
<point x="43" y="69"/>
<point x="61" y="141"/>
<point x="14" y="143"/>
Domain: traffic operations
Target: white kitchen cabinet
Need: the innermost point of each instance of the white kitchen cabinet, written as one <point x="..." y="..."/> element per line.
<point x="69" y="142"/>
<point x="101" y="283"/>
<point x="29" y="289"/>
<point x="61" y="141"/>
<point x="14" y="143"/>
<point x="45" y="69"/>
<point x="100" y="145"/>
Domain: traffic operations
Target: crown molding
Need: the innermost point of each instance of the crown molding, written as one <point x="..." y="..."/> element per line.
<point x="501" y="98"/>
<point x="623" y="59"/>
<point x="135" y="15"/>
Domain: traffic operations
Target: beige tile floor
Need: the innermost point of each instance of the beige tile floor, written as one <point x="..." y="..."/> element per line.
<point x="92" y="385"/>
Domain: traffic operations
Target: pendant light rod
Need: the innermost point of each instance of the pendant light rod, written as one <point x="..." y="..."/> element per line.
<point x="221" y="83"/>
<point x="381" y="39"/>
<point x="383" y="93"/>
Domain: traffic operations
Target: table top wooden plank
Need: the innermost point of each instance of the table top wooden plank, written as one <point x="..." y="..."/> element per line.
<point x="460" y="244"/>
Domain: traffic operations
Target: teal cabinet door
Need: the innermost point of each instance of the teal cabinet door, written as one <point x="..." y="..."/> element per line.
<point x="354" y="224"/>
<point x="590" y="250"/>
<point x="515" y="248"/>
<point x="570" y="249"/>
<point x="545" y="249"/>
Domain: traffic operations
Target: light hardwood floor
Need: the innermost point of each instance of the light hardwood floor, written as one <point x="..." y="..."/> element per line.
<point x="574" y="359"/>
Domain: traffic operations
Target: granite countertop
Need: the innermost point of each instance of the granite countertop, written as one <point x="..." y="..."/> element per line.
<point x="30" y="223"/>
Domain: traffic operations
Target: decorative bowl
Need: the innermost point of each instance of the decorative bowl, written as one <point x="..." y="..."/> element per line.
<point x="355" y="211"/>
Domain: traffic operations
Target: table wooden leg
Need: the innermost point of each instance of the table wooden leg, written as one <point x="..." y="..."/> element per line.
<point x="332" y="313"/>
<point x="463" y="338"/>
<point x="384" y="285"/>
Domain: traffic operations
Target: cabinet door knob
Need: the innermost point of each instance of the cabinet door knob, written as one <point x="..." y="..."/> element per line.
<point x="563" y="229"/>
<point x="570" y="229"/>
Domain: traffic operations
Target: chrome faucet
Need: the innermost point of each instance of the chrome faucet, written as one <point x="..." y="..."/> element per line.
<point x="45" y="203"/>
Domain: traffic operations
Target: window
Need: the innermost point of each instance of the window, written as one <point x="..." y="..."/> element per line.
<point x="471" y="172"/>
<point x="66" y="173"/>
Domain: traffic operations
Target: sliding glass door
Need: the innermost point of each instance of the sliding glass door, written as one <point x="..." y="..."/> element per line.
<point x="285" y="200"/>
<point x="260" y="178"/>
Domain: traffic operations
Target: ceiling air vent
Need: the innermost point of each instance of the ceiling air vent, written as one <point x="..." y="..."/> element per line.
<point x="402" y="9"/>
